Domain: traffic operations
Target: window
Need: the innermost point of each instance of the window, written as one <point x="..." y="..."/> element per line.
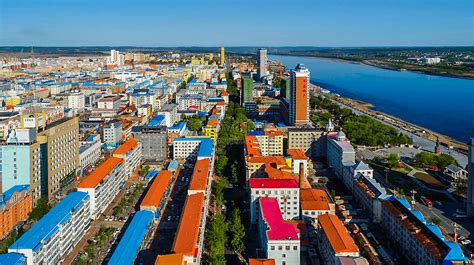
<point x="287" y="247"/>
<point x="272" y="248"/>
<point x="295" y="247"/>
<point x="280" y="248"/>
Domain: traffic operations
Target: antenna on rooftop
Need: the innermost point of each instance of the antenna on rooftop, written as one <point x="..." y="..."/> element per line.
<point x="413" y="192"/>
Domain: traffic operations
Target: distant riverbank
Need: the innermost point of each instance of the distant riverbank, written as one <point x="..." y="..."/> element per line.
<point x="441" y="104"/>
<point x="386" y="65"/>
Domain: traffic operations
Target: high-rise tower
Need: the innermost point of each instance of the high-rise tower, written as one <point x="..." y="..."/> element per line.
<point x="261" y="63"/>
<point x="222" y="56"/>
<point x="299" y="98"/>
<point x="470" y="179"/>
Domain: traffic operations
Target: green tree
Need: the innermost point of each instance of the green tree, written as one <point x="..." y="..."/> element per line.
<point x="195" y="123"/>
<point x="219" y="192"/>
<point x="8" y="241"/>
<point x="41" y="208"/>
<point x="237" y="232"/>
<point x="436" y="220"/>
<point x="216" y="239"/>
<point x="392" y="160"/>
<point x="234" y="172"/>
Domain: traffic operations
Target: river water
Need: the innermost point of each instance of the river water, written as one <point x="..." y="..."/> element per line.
<point x="442" y="104"/>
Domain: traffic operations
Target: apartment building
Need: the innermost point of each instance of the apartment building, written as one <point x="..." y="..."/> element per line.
<point x="89" y="152"/>
<point x="299" y="162"/>
<point x="131" y="153"/>
<point x="157" y="195"/>
<point x="192" y="148"/>
<point x="269" y="142"/>
<point x="15" y="205"/>
<point x="54" y="236"/>
<point x="334" y="242"/>
<point x="315" y="202"/>
<point x="154" y="141"/>
<point x="21" y="162"/>
<point x="339" y="152"/>
<point x="421" y="241"/>
<point x="113" y="133"/>
<point x="103" y="184"/>
<point x="279" y="240"/>
<point x="310" y="140"/>
<point x="189" y="239"/>
<point x="286" y="191"/>
<point x="59" y="155"/>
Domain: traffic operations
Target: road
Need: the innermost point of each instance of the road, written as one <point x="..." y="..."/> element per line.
<point x="442" y="213"/>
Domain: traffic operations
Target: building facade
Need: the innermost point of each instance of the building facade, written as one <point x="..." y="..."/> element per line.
<point x="339" y="153"/>
<point x="59" y="155"/>
<point x="15" y="205"/>
<point x="262" y="63"/>
<point x="54" y="236"/>
<point x="310" y="140"/>
<point x="299" y="96"/>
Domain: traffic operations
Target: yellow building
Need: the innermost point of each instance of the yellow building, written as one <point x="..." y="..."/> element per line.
<point x="211" y="56"/>
<point x="12" y="101"/>
<point x="222" y="56"/>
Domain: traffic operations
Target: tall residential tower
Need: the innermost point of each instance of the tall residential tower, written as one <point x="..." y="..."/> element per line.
<point x="262" y="63"/>
<point x="299" y="98"/>
<point x="222" y="56"/>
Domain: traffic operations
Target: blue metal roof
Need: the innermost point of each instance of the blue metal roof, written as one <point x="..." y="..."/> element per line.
<point x="256" y="133"/>
<point x="151" y="174"/>
<point x="173" y="165"/>
<point x="157" y="120"/>
<point x="455" y="253"/>
<point x="9" y="193"/>
<point x="12" y="259"/>
<point x="131" y="241"/>
<point x="206" y="147"/>
<point x="49" y="224"/>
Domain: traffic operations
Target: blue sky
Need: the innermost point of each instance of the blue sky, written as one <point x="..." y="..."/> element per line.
<point x="237" y="23"/>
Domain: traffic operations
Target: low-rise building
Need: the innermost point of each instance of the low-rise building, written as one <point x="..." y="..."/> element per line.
<point x="419" y="240"/>
<point x="189" y="239"/>
<point x="54" y="236"/>
<point x="157" y="195"/>
<point x="15" y="205"/>
<point x="133" y="239"/>
<point x="279" y="240"/>
<point x="334" y="241"/>
<point x="315" y="202"/>
<point x="103" y="184"/>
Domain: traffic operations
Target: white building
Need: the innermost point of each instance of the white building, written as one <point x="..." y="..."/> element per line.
<point x="131" y="152"/>
<point x="113" y="133"/>
<point x="76" y="101"/>
<point x="339" y="152"/>
<point x="170" y="112"/>
<point x="286" y="191"/>
<point x="109" y="103"/>
<point x="315" y="202"/>
<point x="262" y="63"/>
<point x="54" y="236"/>
<point x="103" y="184"/>
<point x="192" y="148"/>
<point x="89" y="151"/>
<point x="279" y="240"/>
<point x="470" y="179"/>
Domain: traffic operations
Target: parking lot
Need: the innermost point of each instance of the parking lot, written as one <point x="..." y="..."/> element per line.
<point x="168" y="226"/>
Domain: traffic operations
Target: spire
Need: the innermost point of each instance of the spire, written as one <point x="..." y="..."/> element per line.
<point x="329" y="126"/>
<point x="437" y="149"/>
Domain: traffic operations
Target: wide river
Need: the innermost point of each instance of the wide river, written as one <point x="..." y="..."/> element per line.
<point x="442" y="104"/>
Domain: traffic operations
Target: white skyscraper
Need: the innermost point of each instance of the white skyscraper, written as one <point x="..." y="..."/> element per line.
<point x="470" y="179"/>
<point x="116" y="58"/>
<point x="262" y="63"/>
